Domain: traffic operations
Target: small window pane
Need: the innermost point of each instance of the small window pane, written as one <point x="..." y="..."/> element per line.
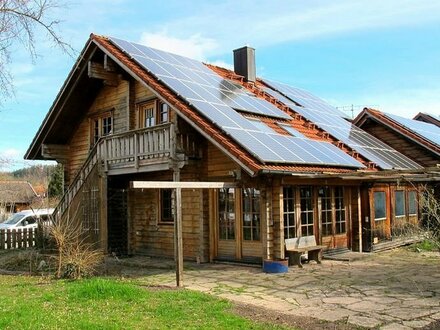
<point x="412" y="202"/>
<point x="164" y="111"/>
<point x="380" y="210"/>
<point x="399" y="205"/>
<point x="167" y="205"/>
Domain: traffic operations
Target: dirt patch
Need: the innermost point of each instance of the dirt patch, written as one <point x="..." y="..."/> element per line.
<point x="260" y="314"/>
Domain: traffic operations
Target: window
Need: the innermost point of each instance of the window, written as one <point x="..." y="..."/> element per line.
<point x="152" y="113"/>
<point x="289" y="212"/>
<point x="326" y="211"/>
<point x="166" y="206"/>
<point x="399" y="203"/>
<point x="147" y="114"/>
<point x="412" y="202"/>
<point x="340" y="210"/>
<point x="164" y="112"/>
<point x="306" y="202"/>
<point x="226" y="213"/>
<point x="102" y="125"/>
<point x="380" y="210"/>
<point x="251" y="214"/>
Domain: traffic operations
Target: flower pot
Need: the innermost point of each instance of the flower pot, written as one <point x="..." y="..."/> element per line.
<point x="276" y="266"/>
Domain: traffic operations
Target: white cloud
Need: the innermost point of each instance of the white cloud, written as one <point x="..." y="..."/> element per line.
<point x="263" y="23"/>
<point x="10" y="153"/>
<point x="196" y="46"/>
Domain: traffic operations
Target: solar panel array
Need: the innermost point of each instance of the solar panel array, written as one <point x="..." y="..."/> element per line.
<point x="218" y="99"/>
<point x="362" y="142"/>
<point x="425" y="130"/>
<point x="305" y="99"/>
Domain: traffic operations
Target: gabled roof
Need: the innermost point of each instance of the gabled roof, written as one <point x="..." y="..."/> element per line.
<point x="424" y="134"/>
<point x="262" y="125"/>
<point x="428" y="118"/>
<point x="16" y="192"/>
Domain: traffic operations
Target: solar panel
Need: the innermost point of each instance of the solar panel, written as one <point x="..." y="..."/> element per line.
<point x="218" y="99"/>
<point x="305" y="99"/>
<point x="291" y="130"/>
<point x="362" y="142"/>
<point x="428" y="131"/>
<point x="198" y="78"/>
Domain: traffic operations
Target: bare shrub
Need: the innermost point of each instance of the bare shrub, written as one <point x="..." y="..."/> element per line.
<point x="76" y="257"/>
<point x="430" y="205"/>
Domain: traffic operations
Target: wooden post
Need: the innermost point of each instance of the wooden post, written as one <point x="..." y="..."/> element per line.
<point x="360" y="219"/>
<point x="103" y="223"/>
<point x="178" y="241"/>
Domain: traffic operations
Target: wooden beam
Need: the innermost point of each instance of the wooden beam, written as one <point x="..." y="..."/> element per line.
<point x="109" y="64"/>
<point x="59" y="152"/>
<point x="97" y="71"/>
<point x="180" y="185"/>
<point x="178" y="241"/>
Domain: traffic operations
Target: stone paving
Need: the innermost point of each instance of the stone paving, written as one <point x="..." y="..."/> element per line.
<point x="398" y="289"/>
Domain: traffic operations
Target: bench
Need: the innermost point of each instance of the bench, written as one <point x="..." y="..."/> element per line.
<point x="295" y="247"/>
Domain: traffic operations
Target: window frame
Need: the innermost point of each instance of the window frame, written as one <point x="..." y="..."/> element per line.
<point x="253" y="211"/>
<point x="403" y="200"/>
<point x="157" y="111"/>
<point x="98" y="125"/>
<point x="416" y="197"/>
<point x="289" y="213"/>
<point x="385" y="205"/>
<point x="229" y="203"/>
<point x="162" y="220"/>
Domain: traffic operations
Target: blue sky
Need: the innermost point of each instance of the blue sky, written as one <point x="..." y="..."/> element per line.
<point x="382" y="54"/>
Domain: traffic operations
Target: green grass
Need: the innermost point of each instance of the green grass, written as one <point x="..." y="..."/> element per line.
<point x="99" y="303"/>
<point x="425" y="245"/>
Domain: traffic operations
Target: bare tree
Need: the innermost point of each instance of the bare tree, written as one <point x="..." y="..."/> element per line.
<point x="20" y="22"/>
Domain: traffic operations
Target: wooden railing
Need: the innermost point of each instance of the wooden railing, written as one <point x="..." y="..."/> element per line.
<point x="129" y="149"/>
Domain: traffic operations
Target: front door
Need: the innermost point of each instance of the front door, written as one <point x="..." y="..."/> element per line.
<point x="238" y="224"/>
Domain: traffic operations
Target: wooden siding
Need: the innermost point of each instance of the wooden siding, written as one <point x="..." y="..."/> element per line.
<point x="407" y="147"/>
<point x="218" y="164"/>
<point x="109" y="98"/>
<point x="151" y="237"/>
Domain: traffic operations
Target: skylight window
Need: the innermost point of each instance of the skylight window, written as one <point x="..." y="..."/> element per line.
<point x="291" y="130"/>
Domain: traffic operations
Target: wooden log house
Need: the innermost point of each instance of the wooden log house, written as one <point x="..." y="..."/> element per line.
<point x="419" y="140"/>
<point x="155" y="144"/>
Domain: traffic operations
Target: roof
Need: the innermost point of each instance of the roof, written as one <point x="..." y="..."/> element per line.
<point x="425" y="134"/>
<point x="16" y="192"/>
<point x="263" y="126"/>
<point x="428" y="118"/>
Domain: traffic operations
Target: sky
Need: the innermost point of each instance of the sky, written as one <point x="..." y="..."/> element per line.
<point x="352" y="53"/>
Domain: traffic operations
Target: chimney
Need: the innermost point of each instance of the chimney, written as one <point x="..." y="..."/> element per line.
<point x="244" y="63"/>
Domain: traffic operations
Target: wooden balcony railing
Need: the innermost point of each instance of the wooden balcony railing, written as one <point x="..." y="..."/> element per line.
<point x="130" y="151"/>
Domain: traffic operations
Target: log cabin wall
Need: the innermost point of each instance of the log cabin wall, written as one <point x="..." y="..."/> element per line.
<point x="407" y="147"/>
<point x="149" y="236"/>
<point x="114" y="99"/>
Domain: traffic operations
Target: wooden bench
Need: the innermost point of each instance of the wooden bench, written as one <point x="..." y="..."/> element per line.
<point x="295" y="247"/>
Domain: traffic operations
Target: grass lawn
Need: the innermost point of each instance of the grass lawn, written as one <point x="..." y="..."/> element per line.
<point x="99" y="303"/>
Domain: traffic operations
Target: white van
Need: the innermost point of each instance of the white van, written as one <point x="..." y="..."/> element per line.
<point x="27" y="219"/>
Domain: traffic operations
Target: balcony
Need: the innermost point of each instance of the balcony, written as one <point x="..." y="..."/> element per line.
<point x="144" y="150"/>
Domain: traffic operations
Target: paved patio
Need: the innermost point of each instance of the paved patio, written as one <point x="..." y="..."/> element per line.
<point x="398" y="289"/>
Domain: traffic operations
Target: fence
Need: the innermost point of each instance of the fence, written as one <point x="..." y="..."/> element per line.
<point x="20" y="238"/>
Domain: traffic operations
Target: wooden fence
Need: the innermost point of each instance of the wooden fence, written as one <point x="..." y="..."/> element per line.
<point x="19" y="238"/>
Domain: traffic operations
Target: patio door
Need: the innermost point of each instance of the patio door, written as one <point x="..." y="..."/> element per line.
<point x="238" y="222"/>
<point x="333" y="216"/>
<point x="226" y="224"/>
